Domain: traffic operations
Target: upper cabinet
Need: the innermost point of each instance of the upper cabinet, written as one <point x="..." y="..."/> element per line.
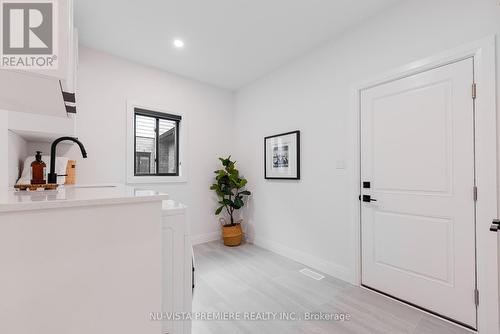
<point x="40" y="75"/>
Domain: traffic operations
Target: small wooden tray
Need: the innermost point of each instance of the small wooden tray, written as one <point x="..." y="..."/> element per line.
<point x="33" y="187"/>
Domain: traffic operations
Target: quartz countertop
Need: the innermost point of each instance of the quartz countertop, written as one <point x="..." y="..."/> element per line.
<point x="76" y="195"/>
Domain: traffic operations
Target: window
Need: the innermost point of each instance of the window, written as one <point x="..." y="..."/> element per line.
<point x="156" y="143"/>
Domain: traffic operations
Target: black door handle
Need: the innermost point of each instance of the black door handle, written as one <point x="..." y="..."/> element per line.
<point x="368" y="198"/>
<point x="495" y="225"/>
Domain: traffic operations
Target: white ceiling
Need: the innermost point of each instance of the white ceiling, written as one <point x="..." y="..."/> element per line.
<point x="228" y="43"/>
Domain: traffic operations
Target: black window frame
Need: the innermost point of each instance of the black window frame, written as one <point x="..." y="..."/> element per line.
<point x="158" y="115"/>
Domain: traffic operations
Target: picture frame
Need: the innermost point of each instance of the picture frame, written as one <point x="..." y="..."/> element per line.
<point x="282" y="156"/>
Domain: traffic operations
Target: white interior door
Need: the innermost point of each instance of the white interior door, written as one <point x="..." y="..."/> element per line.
<point x="417" y="152"/>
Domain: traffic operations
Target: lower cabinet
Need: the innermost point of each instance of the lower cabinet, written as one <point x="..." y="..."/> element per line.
<point x="177" y="269"/>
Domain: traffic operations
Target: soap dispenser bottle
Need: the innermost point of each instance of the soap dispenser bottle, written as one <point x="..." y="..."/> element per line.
<point x="38" y="170"/>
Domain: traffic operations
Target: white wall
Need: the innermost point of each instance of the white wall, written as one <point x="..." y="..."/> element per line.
<point x="4" y="148"/>
<point x="105" y="83"/>
<point x="311" y="219"/>
<point x="17" y="153"/>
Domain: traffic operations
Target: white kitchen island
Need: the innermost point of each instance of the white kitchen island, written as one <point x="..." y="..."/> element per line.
<point x="81" y="259"/>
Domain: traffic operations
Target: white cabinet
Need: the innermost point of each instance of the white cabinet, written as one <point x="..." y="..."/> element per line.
<point x="33" y="106"/>
<point x="60" y="55"/>
<point x="80" y="261"/>
<point x="64" y="26"/>
<point x="40" y="91"/>
<point x="177" y="267"/>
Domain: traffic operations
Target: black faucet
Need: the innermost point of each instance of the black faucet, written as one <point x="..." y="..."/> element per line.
<point x="52" y="177"/>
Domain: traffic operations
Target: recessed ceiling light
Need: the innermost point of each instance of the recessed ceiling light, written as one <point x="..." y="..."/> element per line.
<point x="178" y="43"/>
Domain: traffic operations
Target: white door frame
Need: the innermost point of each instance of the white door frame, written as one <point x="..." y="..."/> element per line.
<point x="483" y="53"/>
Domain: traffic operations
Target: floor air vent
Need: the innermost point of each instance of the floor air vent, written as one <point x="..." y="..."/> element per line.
<point x="312" y="274"/>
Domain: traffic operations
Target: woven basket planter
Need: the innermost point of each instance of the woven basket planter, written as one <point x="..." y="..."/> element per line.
<point x="232" y="235"/>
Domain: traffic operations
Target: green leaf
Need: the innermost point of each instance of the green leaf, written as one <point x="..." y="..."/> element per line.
<point x="226" y="162"/>
<point x="234" y="179"/>
<point x="219" y="210"/>
<point x="238" y="203"/>
<point x="227" y="202"/>
<point x="245" y="192"/>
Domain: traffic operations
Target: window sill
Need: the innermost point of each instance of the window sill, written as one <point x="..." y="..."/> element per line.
<point x="155" y="179"/>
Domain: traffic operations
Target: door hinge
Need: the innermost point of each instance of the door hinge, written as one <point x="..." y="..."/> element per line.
<point x="476" y="297"/>
<point x="474" y="191"/>
<point x="474" y="91"/>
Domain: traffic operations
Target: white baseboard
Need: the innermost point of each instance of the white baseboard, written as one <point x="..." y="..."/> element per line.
<point x="206" y="237"/>
<point x="326" y="267"/>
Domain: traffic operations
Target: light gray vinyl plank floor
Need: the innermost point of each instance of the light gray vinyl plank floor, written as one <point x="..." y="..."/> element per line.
<point x="251" y="279"/>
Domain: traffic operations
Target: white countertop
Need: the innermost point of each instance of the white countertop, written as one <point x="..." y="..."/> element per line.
<point x="77" y="195"/>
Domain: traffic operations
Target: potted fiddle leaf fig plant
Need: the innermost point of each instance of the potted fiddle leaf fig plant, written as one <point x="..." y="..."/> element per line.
<point x="230" y="189"/>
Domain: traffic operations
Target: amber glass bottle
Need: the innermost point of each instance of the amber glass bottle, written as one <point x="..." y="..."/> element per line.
<point x="38" y="170"/>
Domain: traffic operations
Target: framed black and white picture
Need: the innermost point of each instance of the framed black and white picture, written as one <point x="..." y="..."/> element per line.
<point x="282" y="156"/>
